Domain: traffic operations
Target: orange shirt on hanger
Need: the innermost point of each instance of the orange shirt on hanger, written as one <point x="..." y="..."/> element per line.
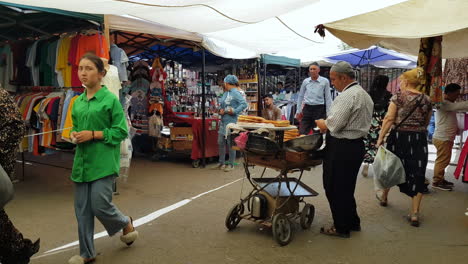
<point x="95" y="43"/>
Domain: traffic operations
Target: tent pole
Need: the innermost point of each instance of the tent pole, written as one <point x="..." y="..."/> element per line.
<point x="203" y="110"/>
<point x="260" y="95"/>
<point x="106" y="30"/>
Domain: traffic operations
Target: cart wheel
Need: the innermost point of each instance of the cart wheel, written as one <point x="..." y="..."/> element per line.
<point x="307" y="216"/>
<point x="282" y="230"/>
<point x="196" y="163"/>
<point x="234" y="216"/>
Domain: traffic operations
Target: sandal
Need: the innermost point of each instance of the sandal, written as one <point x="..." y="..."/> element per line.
<point x="381" y="201"/>
<point x="414" y="219"/>
<point x="131" y="236"/>
<point x="332" y="232"/>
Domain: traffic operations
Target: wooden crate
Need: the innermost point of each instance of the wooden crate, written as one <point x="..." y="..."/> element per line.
<point x="297" y="157"/>
<point x="182" y="145"/>
<point x="181" y="133"/>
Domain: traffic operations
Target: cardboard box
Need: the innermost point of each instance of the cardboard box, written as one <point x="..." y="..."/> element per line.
<point x="181" y="133"/>
<point x="164" y="143"/>
<point x="291" y="206"/>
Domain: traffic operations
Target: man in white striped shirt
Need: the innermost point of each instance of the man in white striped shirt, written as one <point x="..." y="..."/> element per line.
<point x="346" y="126"/>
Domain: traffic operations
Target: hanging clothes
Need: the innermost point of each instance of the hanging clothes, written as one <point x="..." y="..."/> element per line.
<point x="72" y="57"/>
<point x="462" y="164"/>
<point x="63" y="67"/>
<point x="6" y="68"/>
<point x="120" y="60"/>
<point x="96" y="44"/>
<point x="112" y="81"/>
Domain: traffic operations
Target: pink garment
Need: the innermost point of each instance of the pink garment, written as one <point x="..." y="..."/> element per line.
<point x="462" y="163"/>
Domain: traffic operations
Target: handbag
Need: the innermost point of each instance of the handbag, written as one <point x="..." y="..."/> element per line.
<point x="6" y="188"/>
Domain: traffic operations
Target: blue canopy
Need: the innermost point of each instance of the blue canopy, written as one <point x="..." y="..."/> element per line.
<point x="370" y="56"/>
<point x="183" y="55"/>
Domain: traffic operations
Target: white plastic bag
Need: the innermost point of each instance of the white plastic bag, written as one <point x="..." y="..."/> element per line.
<point x="6" y="188"/>
<point x="388" y="169"/>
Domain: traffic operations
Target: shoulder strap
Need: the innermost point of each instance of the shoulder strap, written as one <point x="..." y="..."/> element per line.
<point x="411" y="112"/>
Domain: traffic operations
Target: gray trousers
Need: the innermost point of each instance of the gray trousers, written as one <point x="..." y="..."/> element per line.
<point x="94" y="199"/>
<point x="222" y="143"/>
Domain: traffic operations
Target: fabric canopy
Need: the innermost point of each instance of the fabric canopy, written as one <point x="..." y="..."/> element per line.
<point x="370" y="56"/>
<point x="232" y="29"/>
<point x="278" y="60"/>
<point x="400" y="27"/>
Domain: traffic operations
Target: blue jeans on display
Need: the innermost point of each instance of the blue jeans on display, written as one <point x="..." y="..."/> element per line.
<point x="222" y="143"/>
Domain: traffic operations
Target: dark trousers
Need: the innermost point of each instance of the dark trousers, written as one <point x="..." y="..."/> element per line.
<point x="310" y="114"/>
<point x="343" y="158"/>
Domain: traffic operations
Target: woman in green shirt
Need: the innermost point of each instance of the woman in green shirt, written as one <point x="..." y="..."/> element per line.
<point x="98" y="128"/>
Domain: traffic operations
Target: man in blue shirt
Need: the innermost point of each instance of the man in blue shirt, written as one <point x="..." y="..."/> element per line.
<point x="314" y="99"/>
<point x="231" y="105"/>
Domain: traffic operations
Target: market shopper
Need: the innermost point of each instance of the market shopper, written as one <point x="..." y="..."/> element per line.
<point x="231" y="105"/>
<point x="410" y="110"/>
<point x="445" y="131"/>
<point x="270" y="111"/>
<point x="98" y="128"/>
<point x="347" y="125"/>
<point x="381" y="98"/>
<point x="14" y="249"/>
<point x="314" y="99"/>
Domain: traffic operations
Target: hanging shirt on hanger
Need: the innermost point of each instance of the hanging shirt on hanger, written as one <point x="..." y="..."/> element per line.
<point x="112" y="81"/>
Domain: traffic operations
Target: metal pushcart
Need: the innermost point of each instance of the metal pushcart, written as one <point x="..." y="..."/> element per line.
<point x="281" y="196"/>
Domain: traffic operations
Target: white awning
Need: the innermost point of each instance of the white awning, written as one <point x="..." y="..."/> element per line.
<point x="400" y="27"/>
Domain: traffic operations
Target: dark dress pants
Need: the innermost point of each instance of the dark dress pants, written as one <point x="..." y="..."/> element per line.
<point x="310" y="114"/>
<point x="343" y="158"/>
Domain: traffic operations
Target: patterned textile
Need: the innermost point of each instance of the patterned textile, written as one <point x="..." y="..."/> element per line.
<point x="430" y="59"/>
<point x="456" y="71"/>
<point x="371" y="140"/>
<point x="405" y="102"/>
<point x="12" y="129"/>
<point x="411" y="148"/>
<point x="13" y="248"/>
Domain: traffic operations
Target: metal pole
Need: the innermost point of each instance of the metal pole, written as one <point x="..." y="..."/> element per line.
<point x="259" y="108"/>
<point x="259" y="67"/>
<point x="203" y="110"/>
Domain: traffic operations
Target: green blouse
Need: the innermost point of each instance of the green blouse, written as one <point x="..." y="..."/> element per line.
<point x="100" y="158"/>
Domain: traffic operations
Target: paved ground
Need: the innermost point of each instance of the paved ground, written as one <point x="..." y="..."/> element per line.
<point x="195" y="232"/>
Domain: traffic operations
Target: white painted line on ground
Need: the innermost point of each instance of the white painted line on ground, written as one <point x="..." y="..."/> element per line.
<point x="138" y="222"/>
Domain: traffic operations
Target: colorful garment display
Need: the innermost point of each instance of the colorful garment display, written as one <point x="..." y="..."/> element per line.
<point x="430" y="59"/>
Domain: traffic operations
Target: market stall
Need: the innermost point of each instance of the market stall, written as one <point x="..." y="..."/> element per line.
<point x="278" y="69"/>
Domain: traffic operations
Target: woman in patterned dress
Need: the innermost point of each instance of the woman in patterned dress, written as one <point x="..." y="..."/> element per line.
<point x="14" y="249"/>
<point x="380" y="96"/>
<point x="409" y="141"/>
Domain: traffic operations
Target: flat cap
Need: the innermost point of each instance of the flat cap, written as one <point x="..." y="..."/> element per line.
<point x="342" y="67"/>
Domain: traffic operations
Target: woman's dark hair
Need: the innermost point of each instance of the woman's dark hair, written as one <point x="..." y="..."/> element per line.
<point x="97" y="61"/>
<point x="378" y="92"/>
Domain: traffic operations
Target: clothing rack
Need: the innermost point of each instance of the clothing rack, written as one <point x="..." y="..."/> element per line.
<point x="38" y="89"/>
